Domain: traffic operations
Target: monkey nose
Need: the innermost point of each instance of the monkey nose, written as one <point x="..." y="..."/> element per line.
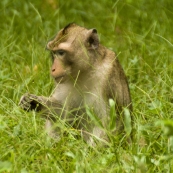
<point x="53" y="69"/>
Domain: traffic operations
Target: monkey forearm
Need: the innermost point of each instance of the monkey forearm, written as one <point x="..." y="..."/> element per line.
<point x="39" y="103"/>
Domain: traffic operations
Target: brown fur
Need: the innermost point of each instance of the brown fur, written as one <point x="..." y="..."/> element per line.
<point x="87" y="74"/>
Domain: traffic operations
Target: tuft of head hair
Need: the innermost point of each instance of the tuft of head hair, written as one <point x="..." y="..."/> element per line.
<point x="66" y="28"/>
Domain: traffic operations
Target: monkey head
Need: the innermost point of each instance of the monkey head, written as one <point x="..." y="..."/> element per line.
<point x="74" y="50"/>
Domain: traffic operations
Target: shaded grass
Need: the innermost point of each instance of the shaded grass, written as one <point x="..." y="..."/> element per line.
<point x="140" y="33"/>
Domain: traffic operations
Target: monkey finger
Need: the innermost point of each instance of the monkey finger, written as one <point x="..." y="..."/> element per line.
<point x="24" y="98"/>
<point x="33" y="97"/>
<point x="25" y="105"/>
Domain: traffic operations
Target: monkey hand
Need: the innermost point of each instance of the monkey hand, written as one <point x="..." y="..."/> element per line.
<point x="30" y="102"/>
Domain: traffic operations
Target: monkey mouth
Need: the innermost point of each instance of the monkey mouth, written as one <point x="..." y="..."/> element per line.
<point x="59" y="78"/>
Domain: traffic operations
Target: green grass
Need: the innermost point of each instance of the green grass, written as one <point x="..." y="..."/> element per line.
<point x="140" y="32"/>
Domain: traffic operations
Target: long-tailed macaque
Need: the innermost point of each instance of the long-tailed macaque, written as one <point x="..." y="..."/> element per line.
<point x="87" y="76"/>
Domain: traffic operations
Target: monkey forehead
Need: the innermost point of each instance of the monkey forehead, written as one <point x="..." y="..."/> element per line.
<point x="57" y="43"/>
<point x="69" y="43"/>
<point x="69" y="38"/>
<point x="76" y="33"/>
<point x="63" y="46"/>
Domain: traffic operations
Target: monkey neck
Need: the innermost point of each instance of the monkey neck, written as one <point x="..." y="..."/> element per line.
<point x="100" y="70"/>
<point x="100" y="52"/>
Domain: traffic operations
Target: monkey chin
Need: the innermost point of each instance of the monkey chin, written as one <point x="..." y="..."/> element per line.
<point x="59" y="79"/>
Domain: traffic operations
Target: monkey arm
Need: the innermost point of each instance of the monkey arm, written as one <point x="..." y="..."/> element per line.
<point x="40" y="103"/>
<point x="32" y="102"/>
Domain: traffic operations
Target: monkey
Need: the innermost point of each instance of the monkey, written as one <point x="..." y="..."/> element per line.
<point x="87" y="75"/>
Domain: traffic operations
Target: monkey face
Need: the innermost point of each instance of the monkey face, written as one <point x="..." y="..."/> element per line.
<point x="72" y="52"/>
<point x="61" y="67"/>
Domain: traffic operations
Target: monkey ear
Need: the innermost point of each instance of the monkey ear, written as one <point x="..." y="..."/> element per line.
<point x="92" y="39"/>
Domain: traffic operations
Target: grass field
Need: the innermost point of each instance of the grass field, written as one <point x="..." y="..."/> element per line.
<point x="139" y="31"/>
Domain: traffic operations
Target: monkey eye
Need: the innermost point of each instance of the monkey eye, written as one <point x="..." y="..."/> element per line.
<point x="60" y="52"/>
